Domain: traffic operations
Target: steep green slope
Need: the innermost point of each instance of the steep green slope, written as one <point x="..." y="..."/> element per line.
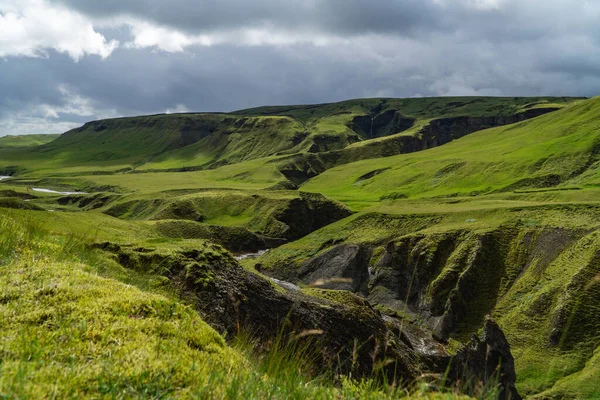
<point x="555" y="150"/>
<point x="202" y="141"/>
<point x="533" y="267"/>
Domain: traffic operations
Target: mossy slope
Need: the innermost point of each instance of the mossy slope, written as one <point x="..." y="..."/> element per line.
<point x="201" y="141"/>
<point x="72" y="328"/>
<point x="534" y="269"/>
<point x="555" y="150"/>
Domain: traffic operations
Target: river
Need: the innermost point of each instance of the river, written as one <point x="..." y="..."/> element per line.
<point x="42" y="190"/>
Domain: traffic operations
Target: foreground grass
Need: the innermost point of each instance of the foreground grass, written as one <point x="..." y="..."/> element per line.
<point x="71" y="328"/>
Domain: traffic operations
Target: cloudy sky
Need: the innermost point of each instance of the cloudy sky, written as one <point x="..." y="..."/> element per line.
<point x="64" y="62"/>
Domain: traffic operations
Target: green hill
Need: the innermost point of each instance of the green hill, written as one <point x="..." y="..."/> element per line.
<point x="26" y="140"/>
<point x="559" y="150"/>
<point x="412" y="220"/>
<point x="305" y="140"/>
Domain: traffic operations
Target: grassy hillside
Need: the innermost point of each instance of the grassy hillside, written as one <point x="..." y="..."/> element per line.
<point x="26" y="140"/>
<point x="418" y="108"/>
<point x="559" y="150"/>
<point x="206" y="141"/>
<point x="77" y="324"/>
<point x="473" y="222"/>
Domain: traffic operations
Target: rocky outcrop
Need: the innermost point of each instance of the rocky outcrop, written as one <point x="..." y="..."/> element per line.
<point x="345" y="333"/>
<point x="349" y="338"/>
<point x="343" y="268"/>
<point x="387" y="123"/>
<point x="305" y="214"/>
<point x="487" y="359"/>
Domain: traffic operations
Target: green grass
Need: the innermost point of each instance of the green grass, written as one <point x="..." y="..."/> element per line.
<point x="514" y="182"/>
<point x="76" y="324"/>
<point x="555" y="149"/>
<point x="27" y="140"/>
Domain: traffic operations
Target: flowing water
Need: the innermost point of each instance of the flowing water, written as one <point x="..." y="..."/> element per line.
<point x="283" y="284"/>
<point x="250" y="255"/>
<point x="42" y="190"/>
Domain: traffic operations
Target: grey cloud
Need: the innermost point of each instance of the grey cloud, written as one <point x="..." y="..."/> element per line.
<point x="511" y="19"/>
<point x="326" y="16"/>
<point x="466" y="51"/>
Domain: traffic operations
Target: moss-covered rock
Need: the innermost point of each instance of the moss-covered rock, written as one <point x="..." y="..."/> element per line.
<point x="235" y="239"/>
<point x="539" y="281"/>
<point x="346" y="333"/>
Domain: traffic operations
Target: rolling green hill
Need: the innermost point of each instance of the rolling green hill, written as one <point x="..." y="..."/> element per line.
<point x="438" y="212"/>
<point x="301" y="141"/>
<point x="26" y="140"/>
<point x="559" y="150"/>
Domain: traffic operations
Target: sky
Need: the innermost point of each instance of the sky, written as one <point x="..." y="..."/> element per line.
<point x="65" y="62"/>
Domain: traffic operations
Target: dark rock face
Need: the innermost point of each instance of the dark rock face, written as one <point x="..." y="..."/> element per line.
<point x="306" y="214"/>
<point x="352" y="337"/>
<point x="477" y="268"/>
<point x="488" y="359"/>
<point x="387" y="123"/>
<point x="343" y="268"/>
<point x="348" y="335"/>
<point x="453" y="280"/>
<point x="238" y="300"/>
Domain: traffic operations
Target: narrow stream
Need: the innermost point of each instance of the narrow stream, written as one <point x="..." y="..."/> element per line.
<point x="250" y="255"/>
<point x="42" y="190"/>
<point x="283" y="284"/>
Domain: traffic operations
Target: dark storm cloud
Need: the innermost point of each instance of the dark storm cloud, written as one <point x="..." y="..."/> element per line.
<point x="497" y="20"/>
<point x="331" y="16"/>
<point x="375" y="48"/>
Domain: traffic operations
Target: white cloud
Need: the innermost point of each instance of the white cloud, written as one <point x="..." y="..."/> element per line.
<point x="30" y="27"/>
<point x="179" y="108"/>
<point x="169" y="39"/>
<point x="48" y="118"/>
<point x="25" y="124"/>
